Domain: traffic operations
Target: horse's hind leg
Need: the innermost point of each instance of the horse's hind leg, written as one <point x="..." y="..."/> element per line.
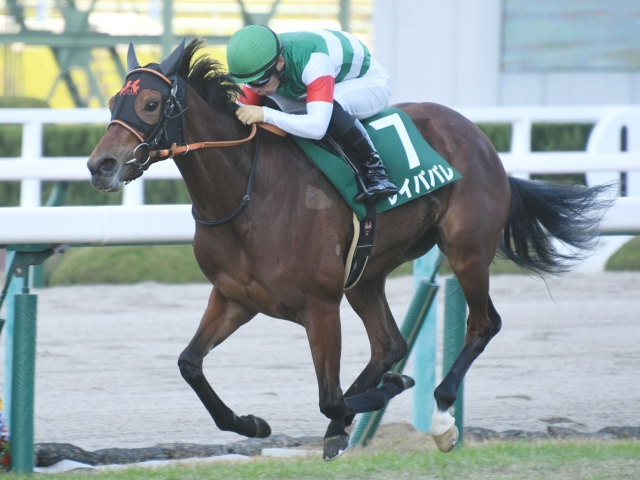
<point x="221" y="318"/>
<point x="387" y="347"/>
<point x="471" y="266"/>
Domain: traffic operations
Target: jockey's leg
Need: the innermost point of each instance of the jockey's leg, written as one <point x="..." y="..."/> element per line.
<point x="355" y="139"/>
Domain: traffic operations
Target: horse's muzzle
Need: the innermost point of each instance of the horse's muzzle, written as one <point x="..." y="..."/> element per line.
<point x="105" y="175"/>
<point x="105" y="166"/>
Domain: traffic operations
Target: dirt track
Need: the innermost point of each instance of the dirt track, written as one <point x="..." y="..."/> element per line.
<point x="107" y="373"/>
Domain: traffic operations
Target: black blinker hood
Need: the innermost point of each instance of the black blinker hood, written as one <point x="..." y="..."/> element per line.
<point x="170" y="127"/>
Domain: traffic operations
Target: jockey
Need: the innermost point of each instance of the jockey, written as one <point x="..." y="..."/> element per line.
<point x="341" y="80"/>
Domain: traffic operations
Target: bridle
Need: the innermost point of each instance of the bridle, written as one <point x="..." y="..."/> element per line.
<point x="173" y="121"/>
<point x="150" y="153"/>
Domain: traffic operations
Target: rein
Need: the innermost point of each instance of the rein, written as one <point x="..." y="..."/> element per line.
<point x="247" y="197"/>
<point x="154" y="156"/>
<point x="166" y="154"/>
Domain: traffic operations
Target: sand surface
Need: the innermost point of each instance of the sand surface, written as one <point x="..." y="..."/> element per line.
<point x="107" y="371"/>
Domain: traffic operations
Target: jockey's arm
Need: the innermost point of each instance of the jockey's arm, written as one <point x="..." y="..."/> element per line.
<point x="249" y="97"/>
<point x="315" y="122"/>
<point x="318" y="77"/>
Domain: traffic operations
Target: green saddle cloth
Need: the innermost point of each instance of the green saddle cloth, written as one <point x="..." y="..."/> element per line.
<point x="412" y="164"/>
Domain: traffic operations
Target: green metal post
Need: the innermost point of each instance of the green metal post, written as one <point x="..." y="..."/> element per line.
<point x="455" y="316"/>
<point x="24" y="363"/>
<point x="15" y="286"/>
<point x="424" y="351"/>
<point x="37" y="276"/>
<point x="56" y="199"/>
<point x="20" y="352"/>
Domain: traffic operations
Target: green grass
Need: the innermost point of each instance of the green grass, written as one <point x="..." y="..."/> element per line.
<point x="498" y="267"/>
<point x="176" y="264"/>
<point x="521" y="460"/>
<point x="160" y="263"/>
<point x="627" y="258"/>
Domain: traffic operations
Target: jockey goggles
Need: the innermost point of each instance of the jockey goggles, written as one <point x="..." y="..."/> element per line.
<point x="264" y="80"/>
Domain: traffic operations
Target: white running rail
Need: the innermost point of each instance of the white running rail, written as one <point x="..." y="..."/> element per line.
<point x="602" y="162"/>
<point x="31" y="168"/>
<point x="109" y="225"/>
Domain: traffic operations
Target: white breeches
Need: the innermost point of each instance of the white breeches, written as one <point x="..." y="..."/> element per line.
<point x="367" y="95"/>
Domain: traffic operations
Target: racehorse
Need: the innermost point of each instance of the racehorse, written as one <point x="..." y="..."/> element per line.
<point x="272" y="233"/>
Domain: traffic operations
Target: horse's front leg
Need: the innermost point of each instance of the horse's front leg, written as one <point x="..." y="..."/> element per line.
<point x="387" y="347"/>
<point x="221" y="318"/>
<point x="321" y="319"/>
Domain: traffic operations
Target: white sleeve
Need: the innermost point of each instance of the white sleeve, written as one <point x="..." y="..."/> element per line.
<point x="312" y="125"/>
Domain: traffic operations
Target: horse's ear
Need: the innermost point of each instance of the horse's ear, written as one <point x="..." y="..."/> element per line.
<point x="171" y="64"/>
<point x="132" y="58"/>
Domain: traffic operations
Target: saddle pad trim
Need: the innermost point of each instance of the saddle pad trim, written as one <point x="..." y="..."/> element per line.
<point x="354" y="243"/>
<point x="355" y="282"/>
<point x="366" y="234"/>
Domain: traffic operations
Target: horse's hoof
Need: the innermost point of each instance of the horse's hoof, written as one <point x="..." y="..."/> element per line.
<point x="403" y="382"/>
<point x="263" y="430"/>
<point x="334" y="447"/>
<point x="447" y="440"/>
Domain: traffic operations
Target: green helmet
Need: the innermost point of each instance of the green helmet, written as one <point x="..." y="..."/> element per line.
<point x="252" y="52"/>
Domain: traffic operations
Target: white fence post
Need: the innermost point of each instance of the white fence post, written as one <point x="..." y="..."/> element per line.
<point x="31" y="189"/>
<point x="606" y="137"/>
<point x="521" y="140"/>
<point x="133" y="193"/>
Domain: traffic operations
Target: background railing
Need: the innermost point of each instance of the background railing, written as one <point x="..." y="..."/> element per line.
<point x="613" y="147"/>
<point x="612" y="153"/>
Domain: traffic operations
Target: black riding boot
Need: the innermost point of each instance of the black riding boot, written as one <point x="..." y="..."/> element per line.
<point x="356" y="140"/>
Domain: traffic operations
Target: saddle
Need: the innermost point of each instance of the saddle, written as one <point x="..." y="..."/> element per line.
<point x="298" y="106"/>
<point x="412" y="164"/>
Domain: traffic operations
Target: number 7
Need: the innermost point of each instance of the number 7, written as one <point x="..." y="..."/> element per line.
<point x="394" y="120"/>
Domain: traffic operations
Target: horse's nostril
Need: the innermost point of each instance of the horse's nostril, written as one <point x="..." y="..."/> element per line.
<point x="107" y="165"/>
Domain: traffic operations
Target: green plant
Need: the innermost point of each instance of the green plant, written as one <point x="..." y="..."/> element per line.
<point x="627" y="258"/>
<point x="22" y="102"/>
<point x="560" y="137"/>
<point x="131" y="264"/>
<point x="499" y="134"/>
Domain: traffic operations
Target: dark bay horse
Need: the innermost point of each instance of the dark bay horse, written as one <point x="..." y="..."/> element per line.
<point x="283" y="252"/>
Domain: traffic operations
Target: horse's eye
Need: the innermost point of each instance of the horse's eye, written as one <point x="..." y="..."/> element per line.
<point x="151" y="106"/>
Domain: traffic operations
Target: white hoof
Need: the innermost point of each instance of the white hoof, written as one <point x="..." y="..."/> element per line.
<point x="443" y="429"/>
<point x="447" y="440"/>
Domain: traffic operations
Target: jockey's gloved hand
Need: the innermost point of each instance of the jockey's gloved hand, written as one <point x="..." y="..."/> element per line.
<point x="249" y="114"/>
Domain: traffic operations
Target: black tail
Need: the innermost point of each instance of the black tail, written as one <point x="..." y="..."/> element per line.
<point x="542" y="209"/>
